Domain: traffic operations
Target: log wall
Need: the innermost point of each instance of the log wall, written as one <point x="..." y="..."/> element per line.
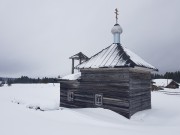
<point x="124" y="90"/>
<point x="140" y="91"/>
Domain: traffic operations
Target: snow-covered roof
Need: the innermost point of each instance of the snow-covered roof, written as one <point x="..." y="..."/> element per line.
<point x="162" y="82"/>
<point x="74" y="76"/>
<point x="113" y="56"/>
<point x="78" y="56"/>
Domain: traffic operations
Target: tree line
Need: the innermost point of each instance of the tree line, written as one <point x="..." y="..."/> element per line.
<point x="25" y="79"/>
<point x="168" y="75"/>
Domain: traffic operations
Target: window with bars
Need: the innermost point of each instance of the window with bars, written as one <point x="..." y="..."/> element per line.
<point x="70" y="96"/>
<point x="98" y="99"/>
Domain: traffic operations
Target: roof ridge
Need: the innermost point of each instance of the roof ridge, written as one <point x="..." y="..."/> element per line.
<point x="126" y="57"/>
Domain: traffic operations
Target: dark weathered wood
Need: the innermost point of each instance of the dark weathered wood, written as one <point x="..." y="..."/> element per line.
<point x="72" y="71"/>
<point x="125" y="90"/>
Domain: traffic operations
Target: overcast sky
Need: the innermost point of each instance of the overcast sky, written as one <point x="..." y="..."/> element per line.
<point x="37" y="37"/>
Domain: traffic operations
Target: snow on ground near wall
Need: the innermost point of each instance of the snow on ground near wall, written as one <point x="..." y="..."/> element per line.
<point x="74" y="76"/>
<point x="18" y="119"/>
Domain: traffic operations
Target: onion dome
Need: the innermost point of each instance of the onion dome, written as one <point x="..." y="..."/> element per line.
<point x="116" y="29"/>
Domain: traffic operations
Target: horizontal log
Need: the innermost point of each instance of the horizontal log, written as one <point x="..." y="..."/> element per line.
<point x="139" y="89"/>
<point x="84" y="101"/>
<point x="78" y="103"/>
<point x="105" y="90"/>
<point x="135" y="104"/>
<point x="68" y="85"/>
<point x="102" y="84"/>
<point x="115" y="103"/>
<point x="134" y="110"/>
<point x="115" y="77"/>
<point x="139" y="94"/>
<point x="139" y="81"/>
<point x="104" y="80"/>
<point x="83" y="95"/>
<point x="143" y="104"/>
<point x="137" y="75"/>
<point x="136" y="86"/>
<point x="137" y="99"/>
<point x="105" y="70"/>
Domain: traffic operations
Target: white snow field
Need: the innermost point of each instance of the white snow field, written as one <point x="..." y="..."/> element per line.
<point x="16" y="117"/>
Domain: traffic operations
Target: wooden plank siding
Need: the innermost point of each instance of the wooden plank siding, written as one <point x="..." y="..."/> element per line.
<point x="140" y="91"/>
<point x="124" y="90"/>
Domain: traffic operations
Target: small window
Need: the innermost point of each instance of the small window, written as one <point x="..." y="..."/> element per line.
<point x="70" y="96"/>
<point x="98" y="99"/>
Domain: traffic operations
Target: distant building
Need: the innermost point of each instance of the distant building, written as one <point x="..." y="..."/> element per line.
<point x="1" y="83"/>
<point x="115" y="78"/>
<point x="166" y="83"/>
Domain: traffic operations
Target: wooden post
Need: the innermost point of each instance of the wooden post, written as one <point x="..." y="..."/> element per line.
<point x="72" y="66"/>
<point x="80" y="60"/>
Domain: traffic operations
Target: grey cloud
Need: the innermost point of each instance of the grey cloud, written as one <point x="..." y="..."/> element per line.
<point x="37" y="37"/>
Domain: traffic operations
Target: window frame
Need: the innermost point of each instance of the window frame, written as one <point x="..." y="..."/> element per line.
<point x="70" y="96"/>
<point x="98" y="101"/>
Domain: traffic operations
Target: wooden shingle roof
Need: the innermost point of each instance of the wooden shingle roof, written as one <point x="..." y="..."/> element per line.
<point x="115" y="56"/>
<point x="78" y="56"/>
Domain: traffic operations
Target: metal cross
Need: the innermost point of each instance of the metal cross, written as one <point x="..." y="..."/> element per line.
<point x="116" y="12"/>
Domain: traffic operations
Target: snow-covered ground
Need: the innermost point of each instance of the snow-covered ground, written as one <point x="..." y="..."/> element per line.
<point x="16" y="117"/>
